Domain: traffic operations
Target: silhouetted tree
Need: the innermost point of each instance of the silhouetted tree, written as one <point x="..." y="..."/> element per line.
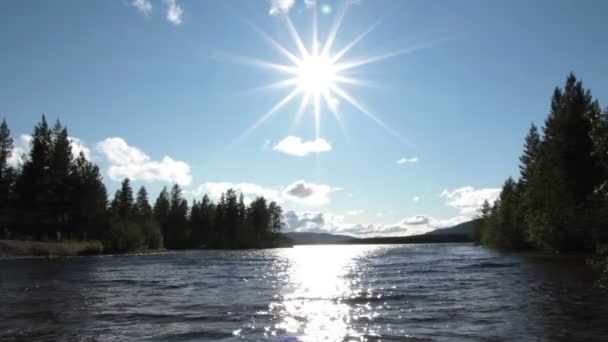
<point x="33" y="185"/>
<point x="7" y="179"/>
<point x="142" y="208"/>
<point x="89" y="201"/>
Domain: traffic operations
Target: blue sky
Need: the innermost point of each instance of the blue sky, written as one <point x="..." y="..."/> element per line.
<point x="160" y="91"/>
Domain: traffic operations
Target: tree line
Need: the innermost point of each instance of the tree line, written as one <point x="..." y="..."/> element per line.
<point x="52" y="195"/>
<point x="560" y="201"/>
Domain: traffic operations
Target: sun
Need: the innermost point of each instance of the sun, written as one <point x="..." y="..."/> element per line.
<point x="318" y="74"/>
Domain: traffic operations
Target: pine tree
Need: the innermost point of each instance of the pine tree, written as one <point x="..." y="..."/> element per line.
<point x="60" y="167"/>
<point x="123" y="204"/>
<point x="7" y="178"/>
<point x="530" y="155"/>
<point x="565" y="174"/>
<point x="276" y="217"/>
<point x="161" y="212"/>
<point x="33" y="185"/>
<point x="6" y="146"/>
<point x="142" y="208"/>
<point x="88" y="206"/>
<point x="178" y="228"/>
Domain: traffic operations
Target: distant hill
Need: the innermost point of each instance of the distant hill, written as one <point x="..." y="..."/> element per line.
<point x="459" y="233"/>
<point x="465" y="228"/>
<point x="303" y="238"/>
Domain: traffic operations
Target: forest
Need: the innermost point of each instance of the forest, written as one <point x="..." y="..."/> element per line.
<point x="559" y="204"/>
<point x="52" y="195"/>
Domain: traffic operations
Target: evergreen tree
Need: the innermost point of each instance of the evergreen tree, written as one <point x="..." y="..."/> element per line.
<point x="60" y="190"/>
<point x="276" y="217"/>
<point x="123" y="201"/>
<point x="142" y="208"/>
<point x="178" y="231"/>
<point x="7" y="178"/>
<point x="530" y="155"/>
<point x="89" y="202"/>
<point x="161" y="212"/>
<point x="33" y="185"/>
<point x="566" y="173"/>
<point x="6" y="146"/>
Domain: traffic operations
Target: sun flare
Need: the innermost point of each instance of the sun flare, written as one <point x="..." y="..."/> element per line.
<point x="317" y="74"/>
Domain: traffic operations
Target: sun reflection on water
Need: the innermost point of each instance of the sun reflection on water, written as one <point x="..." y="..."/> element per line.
<point x="320" y="280"/>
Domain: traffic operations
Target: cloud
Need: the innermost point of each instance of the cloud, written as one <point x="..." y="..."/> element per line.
<point x="355" y="212"/>
<point x="416" y="199"/>
<point x="79" y="146"/>
<point x="128" y="161"/>
<point x="250" y="191"/>
<point x="294" y="146"/>
<point x="310" y="3"/>
<point x="174" y="12"/>
<point x="469" y="200"/>
<point x="143" y="6"/>
<point x="416" y="220"/>
<point x="280" y="6"/>
<point x="308" y="193"/>
<point x="407" y="160"/>
<point x="320" y="222"/>
<point x="22" y="147"/>
<point x="298" y="192"/>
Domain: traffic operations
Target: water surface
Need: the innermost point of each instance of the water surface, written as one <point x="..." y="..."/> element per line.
<point x="435" y="292"/>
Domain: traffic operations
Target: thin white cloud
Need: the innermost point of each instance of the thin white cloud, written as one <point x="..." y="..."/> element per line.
<point x="79" y="146"/>
<point x="322" y="222"/>
<point x="310" y="3"/>
<point x="280" y="6"/>
<point x="416" y="199"/>
<point x="295" y="146"/>
<point x="379" y="214"/>
<point x="407" y="160"/>
<point x="469" y="200"/>
<point x="249" y="190"/>
<point x="355" y="212"/>
<point x="128" y="161"/>
<point x="174" y="12"/>
<point x="22" y="148"/>
<point x="143" y="6"/>
<point x="299" y="192"/>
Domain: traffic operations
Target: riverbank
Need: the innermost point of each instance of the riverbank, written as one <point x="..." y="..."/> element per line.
<point x="15" y="249"/>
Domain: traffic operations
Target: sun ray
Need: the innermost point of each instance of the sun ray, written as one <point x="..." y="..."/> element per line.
<point x="293" y="58"/>
<point x="350" y="80"/>
<point x="280" y="84"/>
<point x="289" y="69"/>
<point x="315" y="29"/>
<point x="295" y="36"/>
<point x="317" y="75"/>
<point x="352" y="44"/>
<point x="317" y="100"/>
<point x="334" y="29"/>
<point x="268" y="114"/>
<point x="333" y="108"/>
<point x="303" y="105"/>
<point x="343" y="94"/>
<point x="354" y="64"/>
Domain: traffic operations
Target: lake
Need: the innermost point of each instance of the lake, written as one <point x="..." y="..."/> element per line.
<point x="433" y="292"/>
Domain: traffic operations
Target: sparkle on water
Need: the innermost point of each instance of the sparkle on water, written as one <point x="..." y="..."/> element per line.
<point x="318" y="74"/>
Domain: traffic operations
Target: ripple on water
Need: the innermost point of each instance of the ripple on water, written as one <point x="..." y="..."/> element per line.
<point x="397" y="293"/>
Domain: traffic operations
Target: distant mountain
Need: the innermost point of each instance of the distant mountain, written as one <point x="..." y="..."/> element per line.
<point x="465" y="228"/>
<point x="303" y="238"/>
